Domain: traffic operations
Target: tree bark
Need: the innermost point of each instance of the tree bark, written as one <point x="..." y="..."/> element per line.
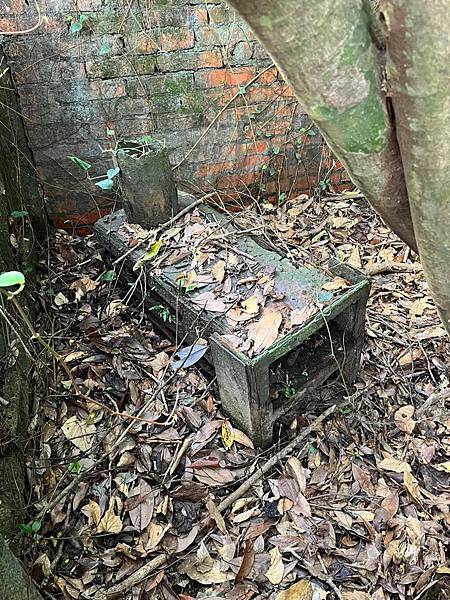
<point x="15" y="584"/>
<point x="327" y="52"/>
<point x="418" y="42"/>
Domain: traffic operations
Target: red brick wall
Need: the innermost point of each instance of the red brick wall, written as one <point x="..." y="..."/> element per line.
<point x="166" y="68"/>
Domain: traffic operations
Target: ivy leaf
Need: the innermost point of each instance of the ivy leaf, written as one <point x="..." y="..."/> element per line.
<point x="112" y="172"/>
<point x="149" y="255"/>
<point x="84" y="166"/>
<point x="105" y="184"/>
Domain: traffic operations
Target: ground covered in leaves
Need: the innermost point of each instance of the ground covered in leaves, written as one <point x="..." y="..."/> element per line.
<point x="135" y="465"/>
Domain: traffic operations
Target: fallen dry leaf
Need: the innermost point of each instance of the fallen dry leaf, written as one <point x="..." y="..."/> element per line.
<point x="301" y="590"/>
<point x="251" y="305"/>
<point x="79" y="433"/>
<point x="247" y="561"/>
<point x="208" y="301"/>
<point x="110" y="523"/>
<point x="300" y="315"/>
<point x="403" y="418"/>
<point x="264" y="332"/>
<point x="218" y="270"/>
<point x="276" y="570"/>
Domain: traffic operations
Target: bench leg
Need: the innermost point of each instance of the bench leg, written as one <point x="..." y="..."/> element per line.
<point x="244" y="392"/>
<point x="352" y="325"/>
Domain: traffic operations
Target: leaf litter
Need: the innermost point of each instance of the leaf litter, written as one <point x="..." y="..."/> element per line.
<point x="360" y="513"/>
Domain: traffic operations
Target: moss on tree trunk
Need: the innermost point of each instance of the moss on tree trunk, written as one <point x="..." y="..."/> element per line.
<point x="326" y="51"/>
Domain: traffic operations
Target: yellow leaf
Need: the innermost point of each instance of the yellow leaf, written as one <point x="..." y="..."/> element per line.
<point x="302" y="590"/>
<point x="110" y="523"/>
<point x="149" y="255"/>
<point x="218" y="271"/>
<point x="227" y="433"/>
<point x="338" y="283"/>
<point x="276" y="570"/>
<point x="79" y="433"/>
<point x="251" y="305"/>
<point x="392" y="464"/>
<point x="355" y="259"/>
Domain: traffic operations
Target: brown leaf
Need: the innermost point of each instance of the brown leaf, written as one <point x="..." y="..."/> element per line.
<point x="142" y="508"/>
<point x="403" y="419"/>
<point x="264" y="332"/>
<point x="82" y="286"/>
<point x="408" y="357"/>
<point x="208" y="301"/>
<point x="215" y="514"/>
<point x="362" y="477"/>
<point x="190" y="490"/>
<point x="247" y="561"/>
<point x="300" y="315"/>
<point x="301" y="590"/>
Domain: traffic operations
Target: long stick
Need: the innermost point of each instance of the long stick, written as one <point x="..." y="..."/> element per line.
<point x="158" y="562"/>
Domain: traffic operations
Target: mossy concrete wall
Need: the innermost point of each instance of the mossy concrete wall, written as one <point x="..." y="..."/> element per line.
<point x="161" y="67"/>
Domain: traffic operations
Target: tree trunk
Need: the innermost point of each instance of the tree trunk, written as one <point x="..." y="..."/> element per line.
<point x="326" y="52"/>
<point x="418" y="71"/>
<point x="15" y="583"/>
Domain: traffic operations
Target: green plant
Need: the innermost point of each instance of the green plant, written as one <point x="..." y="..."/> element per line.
<point x="76" y="25"/>
<point x="163" y="312"/>
<point x="32" y="529"/>
<point x="288" y="390"/>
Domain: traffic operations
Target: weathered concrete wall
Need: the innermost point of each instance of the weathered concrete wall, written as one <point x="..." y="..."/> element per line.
<point x="159" y="67"/>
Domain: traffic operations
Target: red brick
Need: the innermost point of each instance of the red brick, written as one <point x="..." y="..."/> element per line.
<point x="225" y="77"/>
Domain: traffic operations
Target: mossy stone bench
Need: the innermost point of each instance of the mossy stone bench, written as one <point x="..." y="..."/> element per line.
<point x="329" y="341"/>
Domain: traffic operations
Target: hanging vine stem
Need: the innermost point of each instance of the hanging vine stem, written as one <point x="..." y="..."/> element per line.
<point x="36" y="26"/>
